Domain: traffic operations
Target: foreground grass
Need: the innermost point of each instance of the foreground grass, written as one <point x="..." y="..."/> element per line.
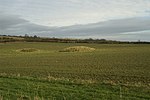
<point x="12" y="88"/>
<point x="111" y="71"/>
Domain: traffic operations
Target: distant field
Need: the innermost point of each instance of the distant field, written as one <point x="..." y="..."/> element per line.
<point x="111" y="71"/>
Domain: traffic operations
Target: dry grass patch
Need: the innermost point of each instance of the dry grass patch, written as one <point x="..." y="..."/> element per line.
<point x="78" y="49"/>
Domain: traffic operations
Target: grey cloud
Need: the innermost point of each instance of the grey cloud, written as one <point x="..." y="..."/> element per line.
<point x="109" y="27"/>
<point x="7" y="21"/>
<point x="14" y="25"/>
<point x="122" y="29"/>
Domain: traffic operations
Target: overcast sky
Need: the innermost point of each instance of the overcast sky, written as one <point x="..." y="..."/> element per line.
<point x="109" y="19"/>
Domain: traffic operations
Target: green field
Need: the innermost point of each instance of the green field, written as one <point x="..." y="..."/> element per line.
<point x="111" y="72"/>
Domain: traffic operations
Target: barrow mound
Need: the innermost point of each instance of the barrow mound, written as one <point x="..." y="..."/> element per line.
<point x="78" y="49"/>
<point x="28" y="50"/>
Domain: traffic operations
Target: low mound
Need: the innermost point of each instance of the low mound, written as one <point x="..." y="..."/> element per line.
<point x="28" y="50"/>
<point x="78" y="49"/>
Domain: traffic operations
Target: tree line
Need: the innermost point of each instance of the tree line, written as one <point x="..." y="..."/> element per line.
<point x="27" y="38"/>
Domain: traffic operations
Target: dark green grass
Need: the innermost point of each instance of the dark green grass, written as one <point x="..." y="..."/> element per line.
<point x="30" y="88"/>
<point x="125" y="64"/>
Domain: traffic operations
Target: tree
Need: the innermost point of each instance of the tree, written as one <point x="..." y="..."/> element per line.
<point x="35" y="36"/>
<point x="26" y="35"/>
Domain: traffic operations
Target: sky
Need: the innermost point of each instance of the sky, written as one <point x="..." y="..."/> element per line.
<point x="126" y="20"/>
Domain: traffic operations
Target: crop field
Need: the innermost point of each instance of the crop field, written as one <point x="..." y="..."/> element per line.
<point x="108" y="72"/>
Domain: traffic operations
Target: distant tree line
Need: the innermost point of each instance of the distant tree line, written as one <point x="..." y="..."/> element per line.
<point x="27" y="38"/>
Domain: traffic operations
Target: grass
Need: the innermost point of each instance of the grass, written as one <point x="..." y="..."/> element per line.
<point x="31" y="88"/>
<point x="82" y="75"/>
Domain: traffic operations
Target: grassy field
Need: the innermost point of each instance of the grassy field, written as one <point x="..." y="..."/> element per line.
<point x="110" y="72"/>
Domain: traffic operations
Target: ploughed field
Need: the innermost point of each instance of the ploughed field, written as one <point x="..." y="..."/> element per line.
<point x="43" y="70"/>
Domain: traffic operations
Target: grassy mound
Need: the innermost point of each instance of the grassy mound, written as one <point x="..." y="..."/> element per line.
<point x="78" y="49"/>
<point x="28" y="50"/>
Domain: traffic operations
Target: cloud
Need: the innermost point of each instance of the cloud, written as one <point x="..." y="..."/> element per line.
<point x="126" y="29"/>
<point x="15" y="25"/>
<point x="7" y="21"/>
<point x="70" y="12"/>
<point x="120" y="29"/>
<point x="109" y="27"/>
